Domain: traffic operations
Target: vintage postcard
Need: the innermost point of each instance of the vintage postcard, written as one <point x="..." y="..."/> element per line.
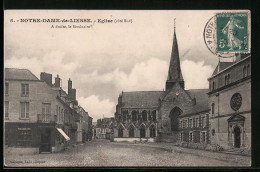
<point x="111" y="88"/>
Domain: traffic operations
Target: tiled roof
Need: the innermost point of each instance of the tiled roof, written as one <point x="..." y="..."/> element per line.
<point x="221" y="66"/>
<point x="201" y="101"/>
<point x="19" y="74"/>
<point x="141" y="99"/>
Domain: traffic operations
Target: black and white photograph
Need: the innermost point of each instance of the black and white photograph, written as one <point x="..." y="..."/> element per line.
<point x="127" y="88"/>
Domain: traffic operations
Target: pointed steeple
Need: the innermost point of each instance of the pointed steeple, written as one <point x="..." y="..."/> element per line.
<point x="174" y="73"/>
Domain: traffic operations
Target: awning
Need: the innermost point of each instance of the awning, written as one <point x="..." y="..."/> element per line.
<point x="63" y="134"/>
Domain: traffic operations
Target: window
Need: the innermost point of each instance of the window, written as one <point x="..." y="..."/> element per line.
<point x="24" y="110"/>
<point x="144" y="115"/>
<point x="134" y="116"/>
<point x="125" y="113"/>
<point x="212" y="108"/>
<point x="142" y="131"/>
<point x="120" y="131"/>
<point x="181" y="137"/>
<point x="191" y="137"/>
<point x="6" y="88"/>
<point x="184" y="124"/>
<point x="46" y="108"/>
<point x="197" y="122"/>
<point x="180" y="124"/>
<point x="203" y="120"/>
<point x="227" y="79"/>
<point x="6" y="109"/>
<point x="244" y="72"/>
<point x="190" y="123"/>
<point x="25" y="90"/>
<point x="194" y="122"/>
<point x="213" y="132"/>
<point x="24" y="137"/>
<point x="131" y="131"/>
<point x="213" y="85"/>
<point x="152" y="131"/>
<point x="154" y="115"/>
<point x="203" y="137"/>
<point x="248" y="69"/>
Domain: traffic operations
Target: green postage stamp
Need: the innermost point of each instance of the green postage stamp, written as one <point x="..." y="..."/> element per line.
<point x="232" y="32"/>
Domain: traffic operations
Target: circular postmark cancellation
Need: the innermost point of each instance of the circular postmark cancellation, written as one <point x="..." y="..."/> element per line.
<point x="227" y="34"/>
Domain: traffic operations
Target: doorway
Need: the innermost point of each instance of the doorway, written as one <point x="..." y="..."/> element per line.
<point x="237" y="138"/>
<point x="45" y="145"/>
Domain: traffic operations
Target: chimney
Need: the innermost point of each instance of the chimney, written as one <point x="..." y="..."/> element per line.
<point x="69" y="85"/>
<point x="72" y="94"/>
<point x="71" y="91"/>
<point x="46" y="77"/>
<point x="57" y="81"/>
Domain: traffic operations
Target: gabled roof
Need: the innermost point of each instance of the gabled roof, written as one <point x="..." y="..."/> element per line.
<point x="201" y="101"/>
<point x="141" y="99"/>
<point x="221" y="66"/>
<point x="19" y="74"/>
<point x="236" y="117"/>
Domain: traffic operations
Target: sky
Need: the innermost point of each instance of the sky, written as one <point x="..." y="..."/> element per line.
<point x="105" y="59"/>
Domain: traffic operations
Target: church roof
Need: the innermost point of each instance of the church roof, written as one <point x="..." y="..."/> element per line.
<point x="19" y="74"/>
<point x="201" y="101"/>
<point x="174" y="73"/>
<point x="221" y="66"/>
<point x="141" y="99"/>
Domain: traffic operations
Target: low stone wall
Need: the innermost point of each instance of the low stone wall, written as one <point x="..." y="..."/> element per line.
<point x="133" y="140"/>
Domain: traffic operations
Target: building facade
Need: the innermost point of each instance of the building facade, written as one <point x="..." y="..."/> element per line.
<point x="159" y="115"/>
<point x="104" y="128"/>
<point x="230" y="104"/>
<point x="39" y="116"/>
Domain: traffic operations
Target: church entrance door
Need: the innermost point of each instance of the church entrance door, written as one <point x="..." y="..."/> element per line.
<point x="237" y="138"/>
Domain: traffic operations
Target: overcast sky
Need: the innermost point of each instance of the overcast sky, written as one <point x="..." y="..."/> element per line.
<point x="107" y="58"/>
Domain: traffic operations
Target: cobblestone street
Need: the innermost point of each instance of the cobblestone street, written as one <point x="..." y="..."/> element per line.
<point x="104" y="153"/>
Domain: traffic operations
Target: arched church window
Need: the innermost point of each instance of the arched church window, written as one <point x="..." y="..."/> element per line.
<point x="154" y="115"/>
<point x="120" y="131"/>
<point x="134" y="115"/>
<point x="144" y="115"/>
<point x="142" y="131"/>
<point x="152" y="131"/>
<point x="131" y="131"/>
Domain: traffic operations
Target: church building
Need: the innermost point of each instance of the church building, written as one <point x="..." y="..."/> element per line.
<point x="230" y="103"/>
<point x="173" y="115"/>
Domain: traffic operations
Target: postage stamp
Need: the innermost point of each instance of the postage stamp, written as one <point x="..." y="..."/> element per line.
<point x="232" y="32"/>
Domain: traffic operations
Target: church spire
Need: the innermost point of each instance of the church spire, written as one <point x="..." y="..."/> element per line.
<point x="174" y="73"/>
